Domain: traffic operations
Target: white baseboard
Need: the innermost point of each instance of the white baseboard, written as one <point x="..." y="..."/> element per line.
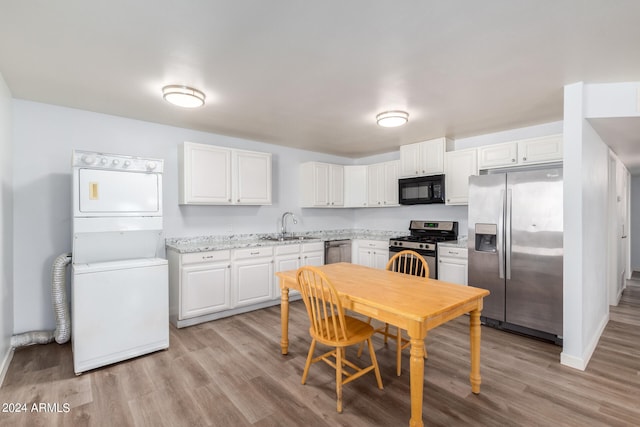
<point x="582" y="362"/>
<point x="6" y="360"/>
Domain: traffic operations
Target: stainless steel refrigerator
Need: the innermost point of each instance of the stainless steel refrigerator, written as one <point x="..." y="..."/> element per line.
<point x="516" y="250"/>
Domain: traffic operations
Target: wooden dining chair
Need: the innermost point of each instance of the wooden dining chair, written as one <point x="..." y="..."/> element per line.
<point x="331" y="327"/>
<point x="406" y="262"/>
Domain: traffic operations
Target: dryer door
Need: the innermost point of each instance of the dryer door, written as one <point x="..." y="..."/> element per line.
<point x="118" y="193"/>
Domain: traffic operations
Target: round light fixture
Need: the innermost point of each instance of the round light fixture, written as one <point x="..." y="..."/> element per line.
<point x="391" y="119"/>
<point x="183" y="96"/>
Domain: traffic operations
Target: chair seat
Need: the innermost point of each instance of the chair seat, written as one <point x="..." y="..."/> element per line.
<point x="357" y="331"/>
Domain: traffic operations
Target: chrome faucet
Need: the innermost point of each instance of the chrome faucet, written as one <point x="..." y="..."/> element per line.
<point x="283" y="223"/>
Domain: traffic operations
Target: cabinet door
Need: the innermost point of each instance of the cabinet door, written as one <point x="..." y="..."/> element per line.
<point x="375" y="184"/>
<point x="252" y="178"/>
<point x="205" y="289"/>
<point x="540" y="150"/>
<point x="410" y="160"/>
<point x="452" y="270"/>
<point x="321" y="189"/>
<point x="380" y="258"/>
<point x="497" y="155"/>
<point x="460" y="165"/>
<point x="390" y="183"/>
<point x="313" y="258"/>
<point x="253" y="281"/>
<point x="336" y="185"/>
<point x="364" y="256"/>
<point x="205" y="174"/>
<point x="432" y="157"/>
<point x="355" y="186"/>
<point x="286" y="263"/>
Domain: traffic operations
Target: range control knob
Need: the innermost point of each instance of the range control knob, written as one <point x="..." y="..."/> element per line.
<point x="151" y="165"/>
<point x="115" y="162"/>
<point x="421" y="246"/>
<point x="103" y="161"/>
<point x="126" y="163"/>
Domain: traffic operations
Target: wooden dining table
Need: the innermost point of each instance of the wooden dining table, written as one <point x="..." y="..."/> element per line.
<point x="415" y="304"/>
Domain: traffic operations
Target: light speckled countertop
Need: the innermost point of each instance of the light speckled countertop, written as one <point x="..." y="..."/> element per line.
<point x="235" y="241"/>
<point x="460" y="243"/>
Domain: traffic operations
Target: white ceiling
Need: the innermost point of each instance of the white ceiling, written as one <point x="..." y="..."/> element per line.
<point x="313" y="75"/>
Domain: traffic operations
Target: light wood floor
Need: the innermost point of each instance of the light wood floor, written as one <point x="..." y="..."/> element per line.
<point x="230" y="372"/>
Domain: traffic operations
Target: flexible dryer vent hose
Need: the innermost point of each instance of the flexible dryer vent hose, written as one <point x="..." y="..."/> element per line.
<point x="62" y="334"/>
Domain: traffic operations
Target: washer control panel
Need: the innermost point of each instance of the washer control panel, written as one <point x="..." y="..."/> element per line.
<point x="91" y="159"/>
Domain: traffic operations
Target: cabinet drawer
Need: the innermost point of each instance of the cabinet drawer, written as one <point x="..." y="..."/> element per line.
<point x="374" y="244"/>
<point x="313" y="247"/>
<point x="210" y="256"/>
<point x="452" y="252"/>
<point x="252" y="252"/>
<point x="287" y="249"/>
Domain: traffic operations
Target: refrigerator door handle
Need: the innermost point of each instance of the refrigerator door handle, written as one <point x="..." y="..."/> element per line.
<point x="499" y="242"/>
<point x="507" y="234"/>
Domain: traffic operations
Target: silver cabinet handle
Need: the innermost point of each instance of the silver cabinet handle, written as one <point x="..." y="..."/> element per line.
<point x="255" y="253"/>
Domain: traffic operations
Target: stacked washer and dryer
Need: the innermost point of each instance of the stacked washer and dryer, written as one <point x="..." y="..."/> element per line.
<point x="119" y="285"/>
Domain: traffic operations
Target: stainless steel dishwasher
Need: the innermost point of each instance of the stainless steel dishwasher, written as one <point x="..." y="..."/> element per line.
<point x="337" y="251"/>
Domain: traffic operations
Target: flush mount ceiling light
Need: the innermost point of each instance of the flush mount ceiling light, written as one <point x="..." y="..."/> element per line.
<point x="391" y="119"/>
<point x="183" y="96"/>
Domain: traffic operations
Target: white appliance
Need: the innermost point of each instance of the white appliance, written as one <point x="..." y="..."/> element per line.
<point x="119" y="285"/>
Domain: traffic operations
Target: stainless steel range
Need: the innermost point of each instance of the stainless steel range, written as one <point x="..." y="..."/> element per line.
<point x="424" y="239"/>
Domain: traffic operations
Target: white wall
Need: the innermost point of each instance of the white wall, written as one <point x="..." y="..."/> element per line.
<point x="586" y="160"/>
<point x="6" y="228"/>
<point x="44" y="138"/>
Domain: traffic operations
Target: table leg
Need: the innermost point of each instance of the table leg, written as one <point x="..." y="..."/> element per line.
<point x="417" y="381"/>
<point x="474" y="336"/>
<point x="284" y="320"/>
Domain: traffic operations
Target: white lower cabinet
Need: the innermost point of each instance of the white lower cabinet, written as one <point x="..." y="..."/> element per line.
<point x="199" y="284"/>
<point x="210" y="285"/>
<point x="294" y="256"/>
<point x="371" y="253"/>
<point x="312" y="253"/>
<point x="452" y="265"/>
<point x="205" y="289"/>
<point x="252" y="275"/>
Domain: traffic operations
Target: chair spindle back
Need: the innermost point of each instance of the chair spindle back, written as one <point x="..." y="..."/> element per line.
<point x="409" y="262"/>
<point x="323" y="304"/>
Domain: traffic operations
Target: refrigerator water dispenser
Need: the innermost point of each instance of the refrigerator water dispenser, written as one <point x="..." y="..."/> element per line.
<point x="486" y="237"/>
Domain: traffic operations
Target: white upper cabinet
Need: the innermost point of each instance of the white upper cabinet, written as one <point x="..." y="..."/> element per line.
<point x="355" y="186"/>
<point x="211" y="175"/>
<point x="204" y="174"/>
<point x="459" y="166"/>
<point x="423" y="158"/>
<point x="523" y="152"/>
<point x="540" y="150"/>
<point x="252" y="178"/>
<point x="498" y="155"/>
<point x="382" y="184"/>
<point x="321" y="185"/>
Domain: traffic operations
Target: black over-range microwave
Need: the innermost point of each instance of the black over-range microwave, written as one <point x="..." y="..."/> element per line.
<point x="421" y="190"/>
